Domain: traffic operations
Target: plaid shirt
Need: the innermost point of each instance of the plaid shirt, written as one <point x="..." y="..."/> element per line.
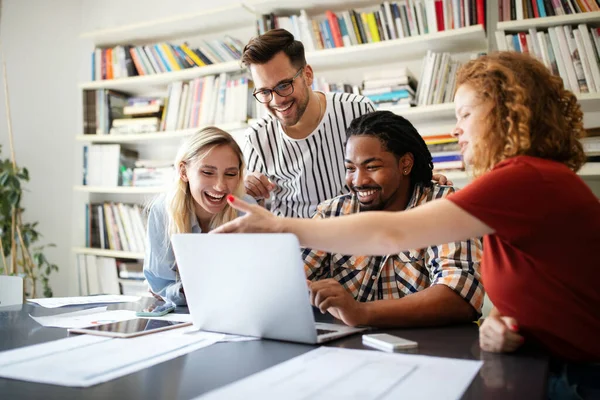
<point x="369" y="278"/>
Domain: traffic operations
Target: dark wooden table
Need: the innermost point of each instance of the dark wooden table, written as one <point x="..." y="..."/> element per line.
<point x="518" y="376"/>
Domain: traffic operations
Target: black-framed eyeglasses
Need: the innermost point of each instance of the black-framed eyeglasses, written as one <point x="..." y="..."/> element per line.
<point x="284" y="89"/>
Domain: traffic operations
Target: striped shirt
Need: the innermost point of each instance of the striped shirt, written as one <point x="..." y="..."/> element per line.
<point x="306" y="171"/>
<point x="369" y="278"/>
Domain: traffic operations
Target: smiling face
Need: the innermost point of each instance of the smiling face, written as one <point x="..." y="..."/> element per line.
<point x="211" y="178"/>
<point x="472" y="120"/>
<point x="375" y="175"/>
<point x="289" y="109"/>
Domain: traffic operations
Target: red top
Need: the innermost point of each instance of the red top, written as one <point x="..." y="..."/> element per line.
<point x="540" y="265"/>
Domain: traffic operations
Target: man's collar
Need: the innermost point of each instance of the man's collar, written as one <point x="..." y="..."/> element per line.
<point x="416" y="195"/>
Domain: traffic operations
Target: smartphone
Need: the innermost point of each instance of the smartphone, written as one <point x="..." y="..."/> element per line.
<point x="156" y="310"/>
<point x="387" y="342"/>
<point x="130" y="328"/>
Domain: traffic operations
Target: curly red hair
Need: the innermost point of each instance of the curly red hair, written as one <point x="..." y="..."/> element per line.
<point x="533" y="113"/>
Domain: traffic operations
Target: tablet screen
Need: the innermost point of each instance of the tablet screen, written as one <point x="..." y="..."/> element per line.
<point x="132" y="327"/>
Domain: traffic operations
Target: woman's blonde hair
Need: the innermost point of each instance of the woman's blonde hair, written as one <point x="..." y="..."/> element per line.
<point x="179" y="202"/>
<point x="533" y="113"/>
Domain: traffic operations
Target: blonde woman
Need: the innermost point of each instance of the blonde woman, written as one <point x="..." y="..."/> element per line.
<point x="210" y="166"/>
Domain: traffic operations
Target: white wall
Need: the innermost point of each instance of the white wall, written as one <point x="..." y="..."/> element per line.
<point x="41" y="50"/>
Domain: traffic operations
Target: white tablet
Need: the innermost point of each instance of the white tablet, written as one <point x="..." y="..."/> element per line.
<point x="130" y="328"/>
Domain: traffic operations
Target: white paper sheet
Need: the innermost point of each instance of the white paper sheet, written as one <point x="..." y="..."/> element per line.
<point x="83" y="318"/>
<point x="87" y="360"/>
<point x="332" y="373"/>
<point x="188" y="318"/>
<point x="55" y="302"/>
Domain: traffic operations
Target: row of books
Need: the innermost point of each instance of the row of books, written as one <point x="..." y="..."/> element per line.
<point x="445" y="152"/>
<point x="153" y="173"/>
<point x="100" y="108"/>
<point x="438" y="79"/>
<point x="389" y="21"/>
<point x="213" y="99"/>
<point x="387" y="88"/>
<point x="206" y="101"/>
<point x="124" y="61"/>
<point x="569" y="52"/>
<point x="115" y="226"/>
<point x="515" y="10"/>
<point x="107" y="275"/>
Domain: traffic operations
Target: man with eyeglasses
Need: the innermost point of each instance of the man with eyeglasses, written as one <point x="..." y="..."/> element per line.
<point x="295" y="155"/>
<point x="297" y="151"/>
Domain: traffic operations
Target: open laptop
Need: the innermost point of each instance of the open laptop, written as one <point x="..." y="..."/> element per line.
<point x="251" y="285"/>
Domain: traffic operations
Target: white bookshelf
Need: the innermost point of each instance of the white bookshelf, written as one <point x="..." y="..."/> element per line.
<point x="469" y="39"/>
<point x="154" y="136"/>
<point x="108" y="253"/>
<point x="118" y="189"/>
<point x="571" y="19"/>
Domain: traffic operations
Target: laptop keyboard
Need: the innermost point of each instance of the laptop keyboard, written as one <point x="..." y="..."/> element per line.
<point x="324" y="331"/>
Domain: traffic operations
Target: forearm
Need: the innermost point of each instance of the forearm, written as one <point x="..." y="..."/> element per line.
<point x="436" y="305"/>
<point x="381" y="232"/>
<point x="372" y="233"/>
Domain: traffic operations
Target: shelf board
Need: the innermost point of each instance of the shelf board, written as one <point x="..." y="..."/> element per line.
<point x="134" y="282"/>
<point x="590" y="169"/>
<point x="571" y="19"/>
<point x="467" y="39"/>
<point x="589" y="102"/>
<point x="146" y="82"/>
<point x="108" y="253"/>
<point x="432" y="112"/>
<point x="119" y="189"/>
<point x="312" y="7"/>
<point x="211" y="20"/>
<point x="154" y="136"/>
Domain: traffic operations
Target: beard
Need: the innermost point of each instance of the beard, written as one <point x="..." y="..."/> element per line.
<point x="375" y="205"/>
<point x="300" y="105"/>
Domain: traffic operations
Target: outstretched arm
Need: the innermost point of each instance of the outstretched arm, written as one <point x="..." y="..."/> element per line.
<point x="372" y="233"/>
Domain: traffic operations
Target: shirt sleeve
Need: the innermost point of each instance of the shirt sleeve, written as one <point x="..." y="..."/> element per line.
<point x="457" y="265"/>
<point x="316" y="262"/>
<point x="159" y="261"/>
<point x="510" y="199"/>
<point x="254" y="162"/>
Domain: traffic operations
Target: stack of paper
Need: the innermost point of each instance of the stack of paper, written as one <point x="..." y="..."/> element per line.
<point x="88" y="360"/>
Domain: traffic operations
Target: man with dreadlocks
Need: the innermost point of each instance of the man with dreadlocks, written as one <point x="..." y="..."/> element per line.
<point x="389" y="168"/>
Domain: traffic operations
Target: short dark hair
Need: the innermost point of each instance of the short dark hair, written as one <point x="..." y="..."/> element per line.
<point x="398" y="136"/>
<point x="263" y="48"/>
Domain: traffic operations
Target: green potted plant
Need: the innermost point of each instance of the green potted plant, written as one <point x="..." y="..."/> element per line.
<point x="20" y="254"/>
